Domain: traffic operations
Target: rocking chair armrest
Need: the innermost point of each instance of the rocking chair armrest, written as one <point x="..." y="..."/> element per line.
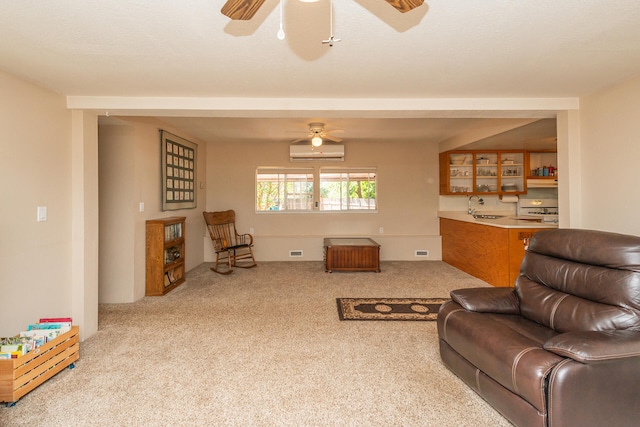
<point x="245" y="239"/>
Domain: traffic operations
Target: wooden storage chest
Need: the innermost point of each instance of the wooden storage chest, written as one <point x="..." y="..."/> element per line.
<point x="351" y="254"/>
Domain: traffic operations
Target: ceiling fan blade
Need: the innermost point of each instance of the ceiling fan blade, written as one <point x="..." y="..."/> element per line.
<point x="241" y="10"/>
<point x="331" y="138"/>
<point x="405" y="5"/>
<point x="307" y="139"/>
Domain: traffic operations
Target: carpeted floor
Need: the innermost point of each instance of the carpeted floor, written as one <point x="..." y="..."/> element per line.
<point x="263" y="347"/>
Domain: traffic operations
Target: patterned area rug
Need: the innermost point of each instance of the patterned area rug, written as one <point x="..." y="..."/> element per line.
<point x="389" y="308"/>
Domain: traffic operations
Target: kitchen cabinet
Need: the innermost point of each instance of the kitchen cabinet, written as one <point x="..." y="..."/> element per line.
<point x="492" y="254"/>
<point x="542" y="168"/>
<point x="482" y="172"/>
<point x="537" y="160"/>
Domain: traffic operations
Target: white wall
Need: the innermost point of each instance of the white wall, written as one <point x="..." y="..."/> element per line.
<point x="117" y="211"/>
<point x="610" y="137"/>
<point x="35" y="257"/>
<point x="407" y="199"/>
<point x="130" y="175"/>
<point x="84" y="221"/>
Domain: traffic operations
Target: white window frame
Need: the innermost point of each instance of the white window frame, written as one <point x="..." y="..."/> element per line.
<point x="345" y="176"/>
<point x="289" y="199"/>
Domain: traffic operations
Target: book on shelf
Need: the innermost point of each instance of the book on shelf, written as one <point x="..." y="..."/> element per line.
<point x="173" y="231"/>
<point x="54" y="319"/>
<point x="170" y="277"/>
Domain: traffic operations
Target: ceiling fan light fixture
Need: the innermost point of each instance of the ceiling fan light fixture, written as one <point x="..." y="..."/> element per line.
<point x="316" y="141"/>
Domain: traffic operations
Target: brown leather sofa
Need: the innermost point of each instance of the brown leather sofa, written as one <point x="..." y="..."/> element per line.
<point x="561" y="348"/>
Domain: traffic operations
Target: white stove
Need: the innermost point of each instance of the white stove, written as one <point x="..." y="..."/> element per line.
<point x="546" y="209"/>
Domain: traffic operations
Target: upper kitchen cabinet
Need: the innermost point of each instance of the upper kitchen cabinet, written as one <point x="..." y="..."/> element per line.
<point x="512" y="172"/>
<point x="542" y="170"/>
<point x="482" y="172"/>
<point x="457" y="172"/>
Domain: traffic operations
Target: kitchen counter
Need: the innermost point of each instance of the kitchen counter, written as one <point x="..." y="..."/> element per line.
<point x="508" y="221"/>
<point x="489" y="249"/>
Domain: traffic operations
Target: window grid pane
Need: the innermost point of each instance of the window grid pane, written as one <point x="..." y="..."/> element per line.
<point x="348" y="190"/>
<point x="277" y="191"/>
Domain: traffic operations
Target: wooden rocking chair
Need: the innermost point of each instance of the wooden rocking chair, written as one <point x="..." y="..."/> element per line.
<point x="230" y="247"/>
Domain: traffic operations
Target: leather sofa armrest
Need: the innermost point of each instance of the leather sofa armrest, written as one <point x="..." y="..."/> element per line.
<point x="595" y="346"/>
<point x="487" y="300"/>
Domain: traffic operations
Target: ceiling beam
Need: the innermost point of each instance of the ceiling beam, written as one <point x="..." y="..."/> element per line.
<point x="303" y="107"/>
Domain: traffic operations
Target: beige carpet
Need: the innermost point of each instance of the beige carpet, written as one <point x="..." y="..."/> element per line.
<point x="263" y="347"/>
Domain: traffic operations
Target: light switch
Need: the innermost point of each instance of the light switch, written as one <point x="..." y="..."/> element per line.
<point x="141" y="206"/>
<point x="42" y="213"/>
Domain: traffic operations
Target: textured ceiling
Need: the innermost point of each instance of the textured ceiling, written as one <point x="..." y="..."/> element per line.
<point x="442" y="49"/>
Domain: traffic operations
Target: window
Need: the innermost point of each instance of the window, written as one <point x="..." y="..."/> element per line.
<point x="293" y="190"/>
<point x="284" y="189"/>
<point x="347" y="189"/>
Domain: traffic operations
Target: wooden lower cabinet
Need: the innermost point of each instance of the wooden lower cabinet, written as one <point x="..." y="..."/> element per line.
<point x="493" y="254"/>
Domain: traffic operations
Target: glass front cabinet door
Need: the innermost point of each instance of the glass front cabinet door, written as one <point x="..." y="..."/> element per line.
<point x="512" y="173"/>
<point x="482" y="172"/>
<point x="459" y="167"/>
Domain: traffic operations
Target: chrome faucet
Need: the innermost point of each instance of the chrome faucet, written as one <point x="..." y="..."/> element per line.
<point x="480" y="202"/>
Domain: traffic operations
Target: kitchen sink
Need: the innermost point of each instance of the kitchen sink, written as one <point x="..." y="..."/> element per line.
<point x="483" y="216"/>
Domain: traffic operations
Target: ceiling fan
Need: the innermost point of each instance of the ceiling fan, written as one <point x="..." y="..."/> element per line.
<point x="317" y="134"/>
<point x="243" y="10"/>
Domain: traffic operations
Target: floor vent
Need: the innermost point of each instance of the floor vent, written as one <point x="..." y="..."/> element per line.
<point x="422" y="252"/>
<point x="297" y="253"/>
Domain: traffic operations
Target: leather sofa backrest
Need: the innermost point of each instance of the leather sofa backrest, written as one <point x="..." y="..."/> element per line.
<point x="581" y="280"/>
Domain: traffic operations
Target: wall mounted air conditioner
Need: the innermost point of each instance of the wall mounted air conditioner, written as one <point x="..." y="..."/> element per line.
<point x="302" y="153"/>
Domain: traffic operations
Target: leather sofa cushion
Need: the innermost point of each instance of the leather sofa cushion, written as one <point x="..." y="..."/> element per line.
<point x="508" y="348"/>
<point x="604" y="285"/>
<point x="564" y="312"/>
<point x="586" y="247"/>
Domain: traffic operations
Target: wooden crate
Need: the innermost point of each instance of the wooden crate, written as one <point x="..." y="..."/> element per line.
<point x="19" y="376"/>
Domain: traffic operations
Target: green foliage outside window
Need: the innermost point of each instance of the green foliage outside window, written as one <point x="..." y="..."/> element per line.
<point x="348" y="190"/>
<point x="283" y="191"/>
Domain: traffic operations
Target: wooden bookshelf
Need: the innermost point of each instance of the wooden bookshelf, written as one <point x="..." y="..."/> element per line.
<point x="165" y="255"/>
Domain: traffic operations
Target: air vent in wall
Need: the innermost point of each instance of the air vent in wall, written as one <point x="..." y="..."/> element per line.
<point x="422" y="252"/>
<point x="296" y="253"/>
